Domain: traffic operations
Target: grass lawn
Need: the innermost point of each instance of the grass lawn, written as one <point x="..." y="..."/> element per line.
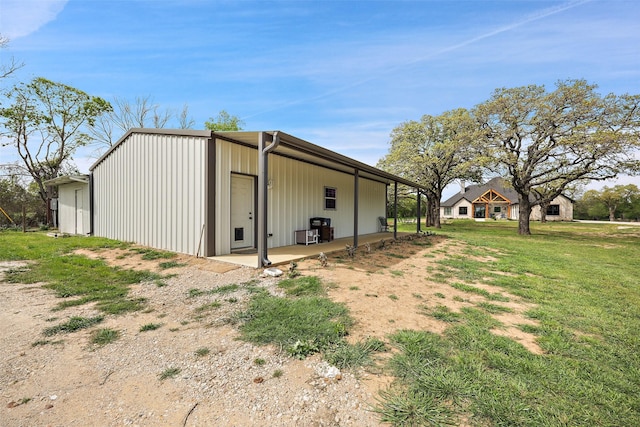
<point x="75" y="279"/>
<point x="584" y="279"/>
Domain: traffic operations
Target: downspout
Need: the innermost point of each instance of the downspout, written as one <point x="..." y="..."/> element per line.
<point x="263" y="178"/>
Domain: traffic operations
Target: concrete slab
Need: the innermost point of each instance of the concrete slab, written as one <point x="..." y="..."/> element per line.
<point x="286" y="254"/>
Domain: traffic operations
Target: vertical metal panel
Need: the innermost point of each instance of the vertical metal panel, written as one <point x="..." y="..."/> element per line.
<point x="230" y="158"/>
<point x="150" y="190"/>
<point x="297" y="194"/>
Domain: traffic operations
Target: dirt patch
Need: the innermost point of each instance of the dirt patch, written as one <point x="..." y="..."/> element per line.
<point x="394" y="288"/>
<point x="132" y="260"/>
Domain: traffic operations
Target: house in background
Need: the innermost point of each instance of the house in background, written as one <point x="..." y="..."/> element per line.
<point x="496" y="199"/>
<point x="213" y="193"/>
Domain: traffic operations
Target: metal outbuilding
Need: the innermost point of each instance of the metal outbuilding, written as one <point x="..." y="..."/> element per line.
<point x="72" y="206"/>
<point x="212" y="193"/>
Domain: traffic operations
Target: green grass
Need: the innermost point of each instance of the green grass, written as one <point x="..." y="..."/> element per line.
<point x="583" y="279"/>
<point x="225" y="289"/>
<point x="149" y="254"/>
<point x="72" y="325"/>
<point x="474" y="290"/>
<point x="76" y="279"/>
<point x="202" y="351"/>
<point x="349" y="356"/>
<point x="169" y="373"/>
<point x="302" y="325"/>
<point x="171" y="264"/>
<point x="442" y="313"/>
<point x="208" y="307"/>
<point x="150" y="327"/>
<point x="104" y="336"/>
<point x="302" y="286"/>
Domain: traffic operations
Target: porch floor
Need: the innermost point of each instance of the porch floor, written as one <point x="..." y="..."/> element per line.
<point x="286" y="254"/>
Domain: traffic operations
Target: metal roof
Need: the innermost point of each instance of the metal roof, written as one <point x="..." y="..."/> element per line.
<point x="289" y="146"/>
<point x="472" y="192"/>
<point x="68" y="179"/>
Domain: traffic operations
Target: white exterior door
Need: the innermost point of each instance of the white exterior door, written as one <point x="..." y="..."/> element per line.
<point x="242" y="211"/>
<point x="79" y="229"/>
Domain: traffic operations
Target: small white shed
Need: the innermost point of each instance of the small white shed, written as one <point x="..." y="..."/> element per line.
<point x="73" y="204"/>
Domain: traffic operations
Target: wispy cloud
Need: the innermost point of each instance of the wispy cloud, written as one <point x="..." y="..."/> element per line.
<point x="396" y="66"/>
<point x="19" y="18"/>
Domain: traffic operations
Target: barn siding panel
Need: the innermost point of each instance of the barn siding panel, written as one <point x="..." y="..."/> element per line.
<point x="150" y="190"/>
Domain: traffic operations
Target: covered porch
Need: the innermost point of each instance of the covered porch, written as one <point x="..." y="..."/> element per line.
<point x="286" y="254"/>
<point x="491" y="204"/>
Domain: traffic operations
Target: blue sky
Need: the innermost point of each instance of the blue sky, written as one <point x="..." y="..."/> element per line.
<point x="341" y="74"/>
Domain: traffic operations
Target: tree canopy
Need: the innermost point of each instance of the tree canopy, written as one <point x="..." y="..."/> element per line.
<point x="224" y="122"/>
<point x="546" y="141"/>
<point x="434" y="152"/>
<point x="619" y="201"/>
<point x="46" y="122"/>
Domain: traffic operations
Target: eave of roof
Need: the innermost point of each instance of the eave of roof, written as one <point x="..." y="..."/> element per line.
<point x="68" y="179"/>
<point x="290" y="146"/>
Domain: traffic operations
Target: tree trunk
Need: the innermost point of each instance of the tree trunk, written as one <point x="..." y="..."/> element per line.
<point x="428" y="217"/>
<point x="436" y="213"/>
<point x="543" y="212"/>
<point x="524" y="216"/>
<point x="612" y="213"/>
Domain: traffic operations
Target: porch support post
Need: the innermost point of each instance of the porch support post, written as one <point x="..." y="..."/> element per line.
<point x="356" y="191"/>
<point x="263" y="178"/>
<point x="395" y="210"/>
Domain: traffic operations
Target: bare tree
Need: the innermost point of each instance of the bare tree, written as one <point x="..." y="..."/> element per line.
<point x="141" y="113"/>
<point x="184" y="121"/>
<point x="7" y="69"/>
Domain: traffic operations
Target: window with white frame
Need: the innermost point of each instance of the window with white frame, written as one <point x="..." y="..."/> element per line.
<point x="447" y="211"/>
<point x="330" y="198"/>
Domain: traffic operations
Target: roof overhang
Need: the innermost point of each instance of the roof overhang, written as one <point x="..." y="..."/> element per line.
<point x="68" y="179"/>
<point x="298" y="149"/>
<point x="290" y="146"/>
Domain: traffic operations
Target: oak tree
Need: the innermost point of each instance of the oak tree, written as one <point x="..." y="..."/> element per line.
<point x="434" y="152"/>
<point x="546" y="141"/>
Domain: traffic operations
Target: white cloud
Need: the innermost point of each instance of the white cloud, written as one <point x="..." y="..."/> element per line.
<point x="19" y="18"/>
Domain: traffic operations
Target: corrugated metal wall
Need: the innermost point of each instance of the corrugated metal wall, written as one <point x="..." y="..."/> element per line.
<point x="72" y="221"/>
<point x="151" y="190"/>
<point x="296" y="194"/>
